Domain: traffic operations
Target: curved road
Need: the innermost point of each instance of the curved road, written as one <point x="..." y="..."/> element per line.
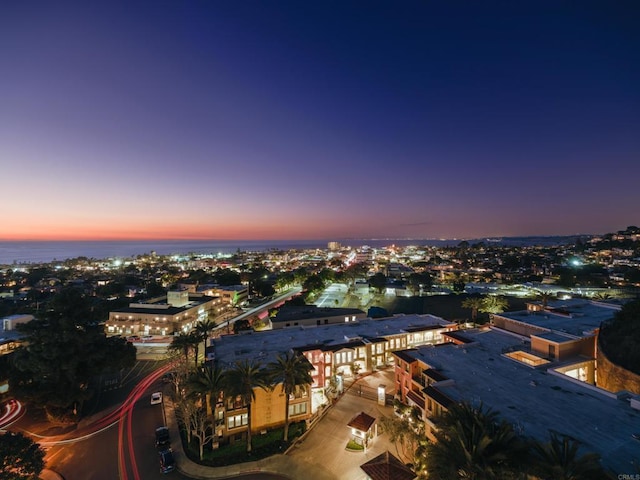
<point x="99" y="452"/>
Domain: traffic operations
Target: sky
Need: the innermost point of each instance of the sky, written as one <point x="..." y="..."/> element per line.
<point x="317" y="120"/>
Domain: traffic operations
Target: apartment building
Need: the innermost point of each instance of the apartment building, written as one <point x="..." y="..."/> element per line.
<point x="561" y="332"/>
<point x="334" y="351"/>
<point x="534" y="398"/>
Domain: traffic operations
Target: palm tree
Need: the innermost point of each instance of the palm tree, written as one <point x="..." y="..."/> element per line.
<point x="475" y="304"/>
<point x="293" y="372"/>
<point x="208" y="382"/>
<point x="544" y="297"/>
<point x="472" y="443"/>
<point x="202" y="330"/>
<point x="182" y="343"/>
<point x="494" y="304"/>
<point x="558" y="459"/>
<point x="244" y="377"/>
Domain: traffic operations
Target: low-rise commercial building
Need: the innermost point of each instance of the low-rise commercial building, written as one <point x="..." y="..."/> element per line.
<point x="166" y="315"/>
<point x="229" y="294"/>
<point x="311" y="316"/>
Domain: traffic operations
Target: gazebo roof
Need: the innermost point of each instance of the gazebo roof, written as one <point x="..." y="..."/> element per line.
<point x="362" y="422"/>
<point x="387" y="467"/>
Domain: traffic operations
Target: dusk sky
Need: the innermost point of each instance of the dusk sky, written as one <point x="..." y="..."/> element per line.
<point x="318" y="120"/>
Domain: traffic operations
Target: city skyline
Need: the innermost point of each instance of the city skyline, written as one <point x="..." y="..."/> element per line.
<point x="315" y="121"/>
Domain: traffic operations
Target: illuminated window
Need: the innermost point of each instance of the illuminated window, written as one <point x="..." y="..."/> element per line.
<point x="297" y="409"/>
<point x="236" y="421"/>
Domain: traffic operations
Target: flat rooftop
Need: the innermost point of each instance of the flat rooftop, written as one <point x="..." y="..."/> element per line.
<point x="266" y="345"/>
<point x="158" y="307"/>
<point x="576" y="316"/>
<point x="305" y="312"/>
<point x="554" y="337"/>
<point x="534" y="400"/>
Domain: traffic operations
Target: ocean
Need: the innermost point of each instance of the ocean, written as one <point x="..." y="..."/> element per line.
<point x="34" y="252"/>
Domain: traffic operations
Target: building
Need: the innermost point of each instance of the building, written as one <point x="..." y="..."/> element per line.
<point x="562" y="332"/>
<point x="311" y="316"/>
<point x="333" y="246"/>
<point x="9" y="336"/>
<point x="229" y="294"/>
<point x="167" y="315"/>
<point x="334" y="351"/>
<point x="535" y="399"/>
<point x="10" y="339"/>
<point x="387" y="467"/>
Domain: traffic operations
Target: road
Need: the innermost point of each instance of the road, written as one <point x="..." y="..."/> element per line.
<point x="332" y="296"/>
<point x="114" y="443"/>
<point x="261" y="308"/>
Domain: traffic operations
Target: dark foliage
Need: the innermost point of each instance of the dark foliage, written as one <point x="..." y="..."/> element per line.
<point x="620" y="337"/>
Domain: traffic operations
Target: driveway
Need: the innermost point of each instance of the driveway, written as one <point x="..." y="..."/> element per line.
<point x="323" y="448"/>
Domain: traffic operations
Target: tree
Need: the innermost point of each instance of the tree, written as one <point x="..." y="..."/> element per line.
<point x="355" y="271"/>
<point x="544" y="297"/>
<point x="241" y="325"/>
<point x="458" y="284"/>
<point x="619" y="338"/>
<point x="327" y="275"/>
<point x="284" y="280"/>
<point x="263" y="288"/>
<point x="186" y="410"/>
<point x="208" y="383"/>
<point x="20" y="457"/>
<point x="558" y="459"/>
<point x="494" y="304"/>
<point x="474" y="304"/>
<point x="378" y="281"/>
<point x="420" y="281"/>
<point x="472" y="443"/>
<point x="63" y="352"/>
<point x="313" y="283"/>
<point x="202" y="330"/>
<point x="402" y="434"/>
<point x="182" y="343"/>
<point x="200" y="425"/>
<point x="293" y="372"/>
<point x="244" y="377"/>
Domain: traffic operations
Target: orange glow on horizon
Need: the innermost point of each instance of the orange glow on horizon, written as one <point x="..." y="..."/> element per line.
<point x="295" y="231"/>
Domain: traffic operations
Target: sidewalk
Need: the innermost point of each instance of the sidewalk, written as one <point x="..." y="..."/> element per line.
<point x="319" y="455"/>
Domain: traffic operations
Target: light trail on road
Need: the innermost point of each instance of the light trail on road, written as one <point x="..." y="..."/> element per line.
<point x="13" y="412"/>
<point x="122" y="416"/>
<point x="126" y="424"/>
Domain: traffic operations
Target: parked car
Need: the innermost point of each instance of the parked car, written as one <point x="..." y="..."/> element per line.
<point x="156" y="398"/>
<point x="162" y="437"/>
<point x="167" y="462"/>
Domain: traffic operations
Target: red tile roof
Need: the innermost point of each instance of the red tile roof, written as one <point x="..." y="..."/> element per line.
<point x="362" y="422"/>
<point x="387" y="467"/>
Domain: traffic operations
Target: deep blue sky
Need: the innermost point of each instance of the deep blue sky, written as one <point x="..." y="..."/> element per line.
<point x="318" y="119"/>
